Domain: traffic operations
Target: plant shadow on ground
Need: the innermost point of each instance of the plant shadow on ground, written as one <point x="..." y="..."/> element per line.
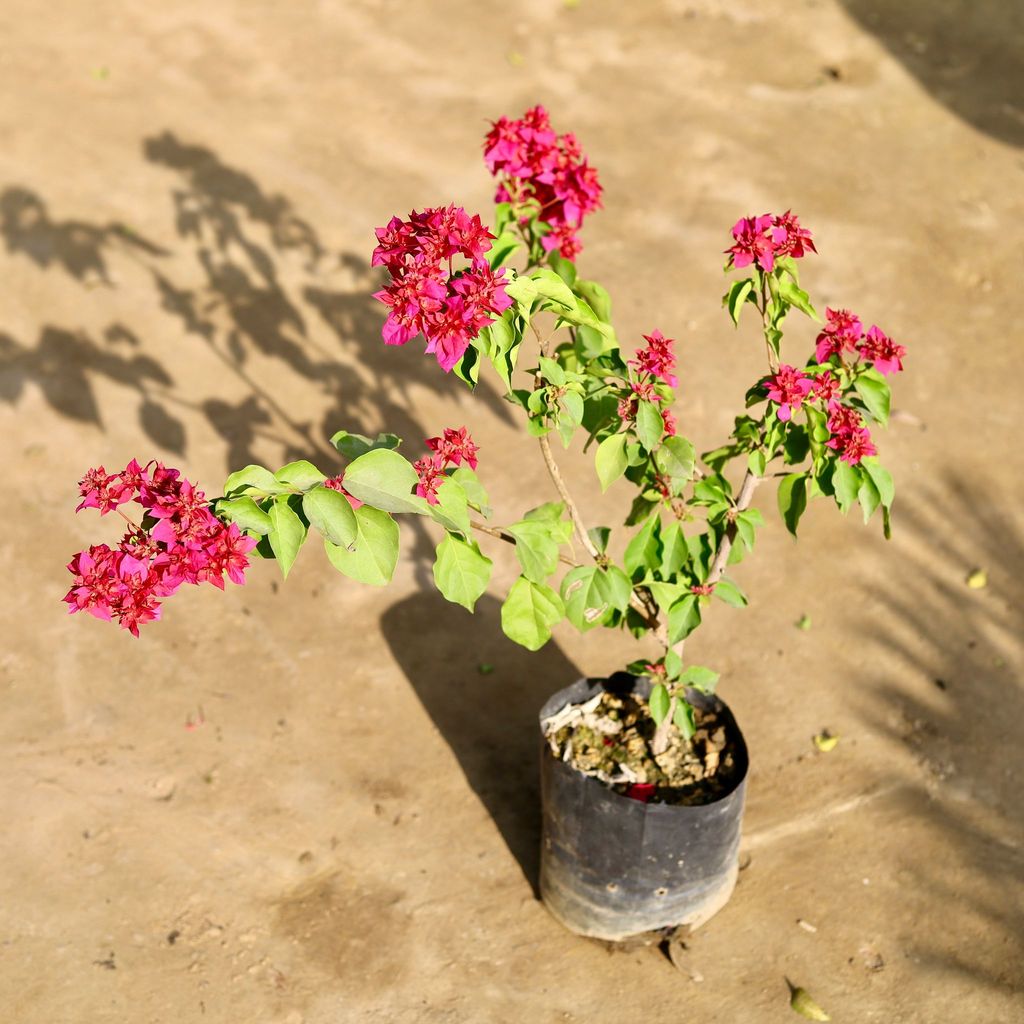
<point x="966" y="53"/>
<point x="247" y="280"/>
<point x="964" y="646"/>
<point x="244" y="278"/>
<point x="484" y="694"/>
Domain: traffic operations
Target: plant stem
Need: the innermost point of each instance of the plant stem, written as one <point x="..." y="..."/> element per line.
<point x="635" y="600"/>
<point x="750" y="481"/>
<point x="570" y="505"/>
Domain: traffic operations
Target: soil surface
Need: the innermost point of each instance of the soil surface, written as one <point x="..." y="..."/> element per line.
<point x="312" y="802"/>
<point x="612" y="738"/>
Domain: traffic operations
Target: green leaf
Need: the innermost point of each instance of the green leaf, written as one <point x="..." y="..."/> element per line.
<point x="738" y="293"/>
<point x="676" y="458"/>
<point x="793" y="499"/>
<point x="537" y="544"/>
<point x="591" y="595"/>
<point x="503" y="346"/>
<point x="461" y="571"/>
<point x="683" y="719"/>
<point x="746" y="521"/>
<point x="467" y="369"/>
<point x="699" y="677"/>
<point x="354" y="445"/>
<point x="552" y="287"/>
<point x="552" y="372"/>
<point x="550" y="512"/>
<point x="797" y="297"/>
<point x="287" y="532"/>
<point x="502" y="247"/>
<point x="846" y="481"/>
<point x="596" y="296"/>
<point x="659" y="703"/>
<point x="599" y="535"/>
<point x="882" y="479"/>
<point x="756" y="463"/>
<point x="565" y="269"/>
<point x="452" y="509"/>
<point x="253" y="478"/>
<point x="374" y="553"/>
<point x="731" y="594"/>
<point x="610" y="460"/>
<point x="796" y="444"/>
<point x="665" y="594"/>
<point x="868" y="496"/>
<point x="246" y="513"/>
<point x="572" y="402"/>
<point x="329" y="512"/>
<point x="650" y="427"/>
<point x="674" y="552"/>
<point x="642" y="550"/>
<point x="873" y="391"/>
<point x="384" y="480"/>
<point x="683" y="618"/>
<point x="467" y="479"/>
<point x="301" y="475"/>
<point x="529" y="612"/>
<point x="523" y="291"/>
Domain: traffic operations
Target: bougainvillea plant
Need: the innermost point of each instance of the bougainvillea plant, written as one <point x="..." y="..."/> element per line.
<point x="509" y="300"/>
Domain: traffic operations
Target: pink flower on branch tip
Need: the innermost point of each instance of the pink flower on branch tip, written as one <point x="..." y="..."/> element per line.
<point x="882" y="352"/>
<point x="703" y="589"/>
<point x="826" y="389"/>
<point x="430" y="470"/>
<point x="788" y="388"/>
<point x="452" y="448"/>
<point x="182" y="542"/>
<point x="850" y="438"/>
<point x="853" y="445"/>
<point x="426" y="294"/>
<point x="657" y="359"/>
<point x="539" y="169"/>
<point x="795" y="240"/>
<point x="765" y="239"/>
<point x="841" y="334"/>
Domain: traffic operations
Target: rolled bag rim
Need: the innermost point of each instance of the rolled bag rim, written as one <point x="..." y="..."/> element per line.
<point x="613" y="867"/>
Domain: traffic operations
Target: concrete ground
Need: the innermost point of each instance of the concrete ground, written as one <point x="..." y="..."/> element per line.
<point x="302" y="802"/>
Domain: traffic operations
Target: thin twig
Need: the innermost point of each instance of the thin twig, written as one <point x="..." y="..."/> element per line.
<point x="750" y="481"/>
<point x="570" y="505"/>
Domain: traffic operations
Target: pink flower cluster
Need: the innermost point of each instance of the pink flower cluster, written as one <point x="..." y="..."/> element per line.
<point x="181" y="541"/>
<point x="534" y="165"/>
<point x="788" y="388"/>
<point x="843" y="333"/>
<point x="426" y="295"/>
<point x="653" y="363"/>
<point x="791" y="387"/>
<point x="657" y="359"/>
<point x="850" y="438"/>
<point x="451" y="449"/>
<point x="765" y="239"/>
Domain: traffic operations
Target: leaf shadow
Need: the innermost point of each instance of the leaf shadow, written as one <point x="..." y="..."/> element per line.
<point x="965" y="53"/>
<point x="484" y="694"/>
<point x="955" y="705"/>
